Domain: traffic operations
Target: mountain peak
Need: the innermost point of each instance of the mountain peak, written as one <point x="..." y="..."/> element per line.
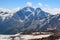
<point x="26" y="19"/>
<point x="38" y="8"/>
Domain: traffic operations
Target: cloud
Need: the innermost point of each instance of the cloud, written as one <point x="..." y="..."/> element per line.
<point x="52" y="10"/>
<point x="29" y="4"/>
<point x="40" y="4"/>
<point x="15" y="9"/>
<point x="46" y="5"/>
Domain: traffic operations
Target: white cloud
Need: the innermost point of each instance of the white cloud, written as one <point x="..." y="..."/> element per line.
<point x="40" y="4"/>
<point x="29" y="4"/>
<point x="9" y="13"/>
<point x="15" y="9"/>
<point x="46" y="5"/>
<point x="52" y="10"/>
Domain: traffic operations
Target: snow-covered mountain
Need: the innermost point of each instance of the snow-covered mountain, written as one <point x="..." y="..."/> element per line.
<point x="25" y="19"/>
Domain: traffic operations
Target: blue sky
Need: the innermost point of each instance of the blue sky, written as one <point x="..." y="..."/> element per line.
<point x="22" y="3"/>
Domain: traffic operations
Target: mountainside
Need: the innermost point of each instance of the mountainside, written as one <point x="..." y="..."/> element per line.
<point x="27" y="19"/>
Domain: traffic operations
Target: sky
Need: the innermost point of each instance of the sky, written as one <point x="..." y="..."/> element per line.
<point x="10" y="4"/>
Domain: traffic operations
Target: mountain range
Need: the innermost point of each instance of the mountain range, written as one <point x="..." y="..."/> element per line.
<point x="26" y="19"/>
